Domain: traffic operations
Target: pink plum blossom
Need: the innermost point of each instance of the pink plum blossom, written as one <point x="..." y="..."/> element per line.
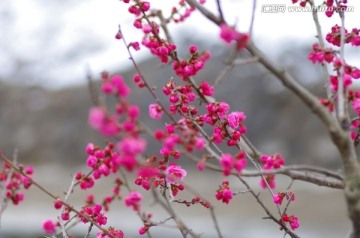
<point x="155" y="111"/>
<point x="48" y="227"/>
<point x="174" y="173"/>
<point x="133" y="199"/>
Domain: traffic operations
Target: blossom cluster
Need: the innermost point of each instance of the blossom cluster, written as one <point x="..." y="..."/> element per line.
<point x="279" y="197"/>
<point x="133" y="199"/>
<point x="229" y="34"/>
<point x="13" y="181"/>
<point x="320" y="54"/>
<point x="180" y="98"/>
<point x="190" y="67"/>
<point x="94" y="213"/>
<point x="334" y="37"/>
<point x="229" y="162"/>
<point x="270" y="162"/>
<point x="292" y="220"/>
<point x="224" y="193"/>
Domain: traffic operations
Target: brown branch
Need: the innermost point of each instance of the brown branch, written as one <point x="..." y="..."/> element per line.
<point x="300" y="175"/>
<point x="303" y="173"/>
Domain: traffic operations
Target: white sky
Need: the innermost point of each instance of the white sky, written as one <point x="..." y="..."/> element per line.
<point x="64" y="36"/>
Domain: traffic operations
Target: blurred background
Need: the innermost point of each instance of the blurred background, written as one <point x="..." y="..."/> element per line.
<point x="46" y="48"/>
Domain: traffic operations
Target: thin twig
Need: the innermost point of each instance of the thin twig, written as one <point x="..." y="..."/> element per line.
<point x="252" y="18"/>
<point x="288" y="204"/>
<point x="271" y="216"/>
<point x="71" y="187"/>
<point x="342" y="92"/>
<point x="89" y="231"/>
<point x="212" y="209"/>
<point x="221" y="14"/>
<point x="241" y="192"/>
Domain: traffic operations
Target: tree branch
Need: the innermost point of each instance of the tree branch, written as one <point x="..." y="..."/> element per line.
<point x="314" y="175"/>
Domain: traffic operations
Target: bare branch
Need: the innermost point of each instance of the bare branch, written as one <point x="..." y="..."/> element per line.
<point x="302" y="176"/>
<point x="314" y="175"/>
